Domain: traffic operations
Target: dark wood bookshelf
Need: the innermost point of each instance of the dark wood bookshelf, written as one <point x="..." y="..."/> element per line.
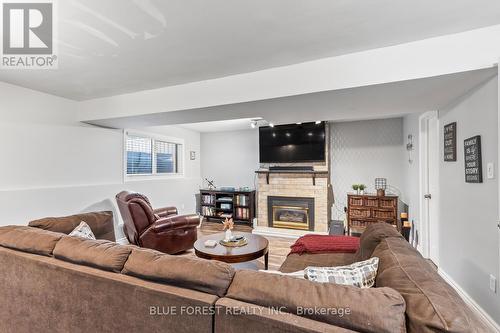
<point x="241" y="213"/>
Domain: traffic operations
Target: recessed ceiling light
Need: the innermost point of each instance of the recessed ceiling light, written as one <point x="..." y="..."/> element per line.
<point x="288" y="134"/>
<point x="318" y="122"/>
<point x="271" y="125"/>
<point x="310" y="134"/>
<point x="299" y="123"/>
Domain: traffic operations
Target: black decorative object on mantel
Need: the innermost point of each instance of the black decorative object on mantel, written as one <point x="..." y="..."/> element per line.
<point x="450" y="142"/>
<point x="473" y="160"/>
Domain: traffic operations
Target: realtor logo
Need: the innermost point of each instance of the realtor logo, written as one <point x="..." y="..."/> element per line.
<point x="28" y="35"/>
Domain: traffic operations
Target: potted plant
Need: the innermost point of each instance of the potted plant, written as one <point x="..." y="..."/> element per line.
<point x="362" y="188"/>
<point x="355" y="187"/>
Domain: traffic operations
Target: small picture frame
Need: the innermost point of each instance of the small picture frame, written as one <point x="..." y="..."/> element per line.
<point x="450" y="142"/>
<point x="192" y="155"/>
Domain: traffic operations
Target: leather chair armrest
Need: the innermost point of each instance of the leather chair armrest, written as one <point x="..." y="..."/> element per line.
<point x="175" y="222"/>
<point x="165" y="211"/>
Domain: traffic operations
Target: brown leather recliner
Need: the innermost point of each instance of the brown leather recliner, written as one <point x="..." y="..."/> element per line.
<point x="159" y="229"/>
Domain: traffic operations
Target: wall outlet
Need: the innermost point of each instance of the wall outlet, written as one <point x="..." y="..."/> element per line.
<point x="493" y="284"/>
<point x="490" y="170"/>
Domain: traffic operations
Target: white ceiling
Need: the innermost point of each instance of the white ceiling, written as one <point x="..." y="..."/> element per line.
<point x="115" y="46"/>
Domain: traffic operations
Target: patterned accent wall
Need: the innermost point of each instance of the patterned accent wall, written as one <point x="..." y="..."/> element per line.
<point x="362" y="151"/>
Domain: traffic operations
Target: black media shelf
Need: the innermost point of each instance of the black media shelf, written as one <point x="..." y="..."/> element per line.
<point x="242" y="205"/>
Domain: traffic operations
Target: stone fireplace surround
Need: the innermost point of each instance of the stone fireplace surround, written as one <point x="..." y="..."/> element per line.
<point x="303" y="185"/>
<point x="293" y="185"/>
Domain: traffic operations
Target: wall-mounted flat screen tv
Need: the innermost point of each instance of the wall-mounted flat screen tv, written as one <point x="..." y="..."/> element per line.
<point x="292" y="143"/>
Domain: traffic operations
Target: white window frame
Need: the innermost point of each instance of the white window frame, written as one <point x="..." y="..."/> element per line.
<point x="153" y="176"/>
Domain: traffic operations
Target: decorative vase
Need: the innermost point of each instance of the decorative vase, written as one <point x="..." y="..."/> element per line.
<point x="362" y="192"/>
<point x="358" y="192"/>
<point x="228" y="235"/>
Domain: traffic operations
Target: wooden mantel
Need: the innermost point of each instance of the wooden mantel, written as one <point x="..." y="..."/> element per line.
<point x="301" y="172"/>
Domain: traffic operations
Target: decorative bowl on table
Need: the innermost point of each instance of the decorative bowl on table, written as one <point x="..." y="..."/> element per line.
<point x="234" y="241"/>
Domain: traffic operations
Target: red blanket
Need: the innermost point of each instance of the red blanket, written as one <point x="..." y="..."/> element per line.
<point x="324" y="244"/>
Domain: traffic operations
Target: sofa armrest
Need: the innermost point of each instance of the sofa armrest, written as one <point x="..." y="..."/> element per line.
<point x="175" y="222"/>
<point x="165" y="211"/>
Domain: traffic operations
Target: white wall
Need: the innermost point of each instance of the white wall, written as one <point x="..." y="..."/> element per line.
<point x="362" y="151"/>
<point x="51" y="166"/>
<point x="230" y="158"/>
<point x="468" y="236"/>
<point x="28" y="106"/>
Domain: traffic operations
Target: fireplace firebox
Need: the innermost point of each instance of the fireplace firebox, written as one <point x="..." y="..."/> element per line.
<point x="290" y="212"/>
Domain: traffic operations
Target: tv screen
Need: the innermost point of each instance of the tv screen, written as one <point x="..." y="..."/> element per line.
<point x="292" y="143"/>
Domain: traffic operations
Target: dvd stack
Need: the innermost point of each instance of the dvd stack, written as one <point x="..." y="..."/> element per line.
<point x="242" y="200"/>
<point x="242" y="213"/>
<point x="208" y="211"/>
<point x="208" y="199"/>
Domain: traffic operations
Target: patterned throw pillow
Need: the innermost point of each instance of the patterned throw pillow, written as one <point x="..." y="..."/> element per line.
<point x="360" y="274"/>
<point x="82" y="230"/>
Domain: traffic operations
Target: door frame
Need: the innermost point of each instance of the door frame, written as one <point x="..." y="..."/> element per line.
<point x="424" y="245"/>
<point x="497" y="174"/>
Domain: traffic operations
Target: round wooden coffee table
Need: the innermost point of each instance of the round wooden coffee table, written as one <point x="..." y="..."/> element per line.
<point x="257" y="247"/>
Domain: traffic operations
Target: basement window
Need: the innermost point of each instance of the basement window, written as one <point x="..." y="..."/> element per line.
<point x="151" y="155"/>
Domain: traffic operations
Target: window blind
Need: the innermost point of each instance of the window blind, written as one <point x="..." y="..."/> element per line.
<point x="139" y="155"/>
<point x="166" y="157"/>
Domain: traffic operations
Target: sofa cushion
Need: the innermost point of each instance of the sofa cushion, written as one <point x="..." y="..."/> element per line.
<point x="212" y="277"/>
<point x="102" y="254"/>
<point x="431" y="304"/>
<point x="101" y="224"/>
<point x="232" y="316"/>
<point x="296" y="262"/>
<point x="371" y="237"/>
<point x="370" y="310"/>
<point x="29" y="239"/>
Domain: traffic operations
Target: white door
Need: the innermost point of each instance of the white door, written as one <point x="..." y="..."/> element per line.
<point x="429" y="185"/>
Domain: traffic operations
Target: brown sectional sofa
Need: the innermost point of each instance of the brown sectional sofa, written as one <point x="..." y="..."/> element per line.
<point x="50" y="282"/>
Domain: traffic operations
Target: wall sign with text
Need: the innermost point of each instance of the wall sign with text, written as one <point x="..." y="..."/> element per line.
<point x="450" y="142"/>
<point x="473" y="160"/>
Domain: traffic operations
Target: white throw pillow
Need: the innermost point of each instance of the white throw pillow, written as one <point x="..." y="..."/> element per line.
<point x="360" y="274"/>
<point x="82" y="230"/>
